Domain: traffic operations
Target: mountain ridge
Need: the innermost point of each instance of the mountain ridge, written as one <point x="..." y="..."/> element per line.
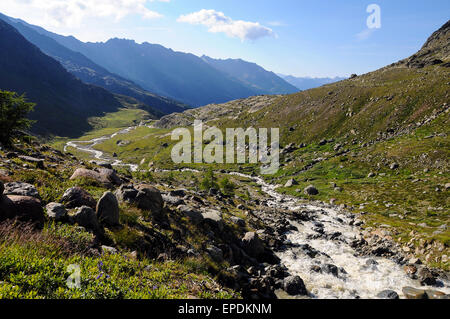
<point x="252" y="75"/>
<point x="90" y="72"/>
<point x="181" y="76"/>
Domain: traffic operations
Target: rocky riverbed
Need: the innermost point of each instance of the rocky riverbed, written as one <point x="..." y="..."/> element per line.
<point x="323" y="250"/>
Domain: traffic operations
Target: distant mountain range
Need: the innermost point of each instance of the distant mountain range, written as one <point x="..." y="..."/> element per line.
<point x="123" y="65"/>
<point x="253" y="75"/>
<point x="306" y="83"/>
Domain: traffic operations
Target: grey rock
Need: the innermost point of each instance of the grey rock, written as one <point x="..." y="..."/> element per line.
<point x="86" y="217"/>
<point x="56" y="211"/>
<point x="414" y="261"/>
<point x="194" y="215"/>
<point x="24" y="208"/>
<point x="388" y="294"/>
<point x="108" y="209"/>
<point x="294" y="286"/>
<point x="21" y="189"/>
<point x="105" y="176"/>
<point x="215" y="253"/>
<point x="252" y="245"/>
<point x="291" y="183"/>
<point x="311" y="190"/>
<point x="330" y="269"/>
<point x="178" y="192"/>
<point x="126" y="193"/>
<point x="39" y="162"/>
<point x="149" y="198"/>
<point x="109" y="250"/>
<point x="76" y="197"/>
<point x="238" y="221"/>
<point x="173" y="200"/>
<point x="394" y="166"/>
<point x="426" y="277"/>
<point x="213" y="217"/>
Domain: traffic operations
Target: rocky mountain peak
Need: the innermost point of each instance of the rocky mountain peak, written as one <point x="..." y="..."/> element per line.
<point x="436" y="50"/>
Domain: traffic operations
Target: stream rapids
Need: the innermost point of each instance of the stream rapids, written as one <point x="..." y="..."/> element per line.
<point x="356" y="276"/>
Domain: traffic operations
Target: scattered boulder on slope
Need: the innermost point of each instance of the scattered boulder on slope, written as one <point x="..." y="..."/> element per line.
<point x="311" y="190"/>
<point x="193" y="214"/>
<point x="127" y="194"/>
<point x="105" y="176"/>
<point x="21" y="189"/>
<point x="145" y="197"/>
<point x="24" y="208"/>
<point x="56" y="211"/>
<point x="108" y="209"/>
<point x="214" y="218"/>
<point x="149" y="198"/>
<point x="291" y="183"/>
<point x="76" y="197"/>
<point x="39" y="162"/>
<point x="86" y="217"/>
<point x="252" y="245"/>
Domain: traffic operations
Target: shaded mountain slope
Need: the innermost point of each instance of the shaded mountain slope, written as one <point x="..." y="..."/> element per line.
<point x="181" y="76"/>
<point x="90" y="72"/>
<point x="63" y="102"/>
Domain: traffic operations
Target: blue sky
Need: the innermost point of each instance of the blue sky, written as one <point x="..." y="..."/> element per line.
<point x="303" y="38"/>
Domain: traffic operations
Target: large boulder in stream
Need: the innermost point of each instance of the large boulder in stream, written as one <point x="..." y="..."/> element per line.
<point x="294" y="286"/>
<point x="388" y="294"/>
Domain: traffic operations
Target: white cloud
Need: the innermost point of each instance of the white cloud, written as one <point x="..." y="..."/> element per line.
<point x="217" y="22"/>
<point x="72" y="13"/>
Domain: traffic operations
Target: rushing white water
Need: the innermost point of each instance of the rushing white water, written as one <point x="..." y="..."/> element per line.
<point x="357" y="277"/>
<point x="363" y="278"/>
